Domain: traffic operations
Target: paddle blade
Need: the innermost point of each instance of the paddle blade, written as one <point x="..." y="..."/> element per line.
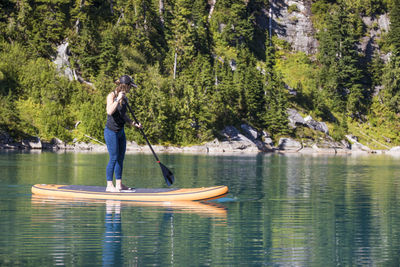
<point x="168" y="175"/>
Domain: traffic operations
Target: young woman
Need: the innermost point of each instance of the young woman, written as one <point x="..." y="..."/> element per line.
<point x="114" y="133"/>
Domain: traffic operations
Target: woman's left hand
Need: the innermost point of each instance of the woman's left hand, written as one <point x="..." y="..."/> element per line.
<point x="137" y="125"/>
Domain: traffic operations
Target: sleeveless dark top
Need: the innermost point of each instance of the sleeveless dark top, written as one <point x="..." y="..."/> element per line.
<point x="116" y="122"/>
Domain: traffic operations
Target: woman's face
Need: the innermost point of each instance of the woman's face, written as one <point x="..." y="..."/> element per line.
<point x="127" y="89"/>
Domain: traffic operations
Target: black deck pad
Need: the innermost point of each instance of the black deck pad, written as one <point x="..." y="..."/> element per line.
<point x="101" y="189"/>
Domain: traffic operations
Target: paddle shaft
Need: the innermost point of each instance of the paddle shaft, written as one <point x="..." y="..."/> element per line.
<point x="142" y="132"/>
<point x="168" y="175"/>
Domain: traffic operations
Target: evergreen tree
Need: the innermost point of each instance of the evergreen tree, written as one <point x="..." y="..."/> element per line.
<point x="276" y="118"/>
<point x="234" y="23"/>
<point x="139" y="26"/>
<point x="394" y="34"/>
<point x="7" y="23"/>
<point x="225" y="98"/>
<point x="195" y="109"/>
<point x="391" y="83"/>
<point x="251" y="87"/>
<point x="203" y="41"/>
<point x="183" y="48"/>
<point x="341" y="73"/>
<point x="108" y="58"/>
<point x="225" y="72"/>
<point x="89" y="18"/>
<point x="391" y="78"/>
<point x="40" y="25"/>
<point x="276" y="100"/>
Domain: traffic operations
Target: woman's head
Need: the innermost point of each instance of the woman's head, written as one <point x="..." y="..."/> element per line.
<point x="124" y="84"/>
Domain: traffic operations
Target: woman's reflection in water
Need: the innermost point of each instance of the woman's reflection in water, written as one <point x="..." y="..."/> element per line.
<point x="112" y="243"/>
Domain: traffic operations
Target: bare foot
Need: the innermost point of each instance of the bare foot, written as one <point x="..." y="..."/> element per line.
<point x="119" y="185"/>
<point x="112" y="189"/>
<point x="124" y="187"/>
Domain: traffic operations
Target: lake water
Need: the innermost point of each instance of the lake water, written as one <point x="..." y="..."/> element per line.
<point x="282" y="210"/>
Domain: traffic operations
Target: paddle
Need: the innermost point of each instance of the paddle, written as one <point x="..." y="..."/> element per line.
<point x="168" y="175"/>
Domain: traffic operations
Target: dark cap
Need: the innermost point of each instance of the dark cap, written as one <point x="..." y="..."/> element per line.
<point x="126" y="79"/>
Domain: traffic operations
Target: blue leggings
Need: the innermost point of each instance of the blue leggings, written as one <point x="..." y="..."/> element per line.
<point x="116" y="146"/>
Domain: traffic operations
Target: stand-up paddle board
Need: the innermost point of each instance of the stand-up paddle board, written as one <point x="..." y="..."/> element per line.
<point x="138" y="194"/>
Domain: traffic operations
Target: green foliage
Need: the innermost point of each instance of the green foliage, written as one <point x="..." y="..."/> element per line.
<point x="339" y="130"/>
<point x="276" y="118"/>
<point x="293" y="8"/>
<point x="276" y="98"/>
<point x="299" y="73"/>
<point x="394" y="33"/>
<point x="252" y="93"/>
<point x="140" y="28"/>
<point x="12" y="57"/>
<point x="342" y="74"/>
<point x="154" y="107"/>
<point x="228" y="70"/>
<point x="9" y="119"/>
<point x="46" y="95"/>
<point x="225" y="99"/>
<point x="88" y="108"/>
<point x="108" y="57"/>
<point x="232" y="22"/>
<point x="375" y="68"/>
<point x="390" y="78"/>
<point x="194" y="89"/>
<point x="39" y="25"/>
<point x="391" y="83"/>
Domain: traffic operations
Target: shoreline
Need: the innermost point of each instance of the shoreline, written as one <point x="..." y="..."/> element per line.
<point x="211" y="148"/>
<point x="245" y="141"/>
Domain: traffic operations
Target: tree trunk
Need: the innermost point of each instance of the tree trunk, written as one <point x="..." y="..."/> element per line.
<point x="175" y="65"/>
<point x="161" y="11"/>
<point x="212" y="3"/>
<point x="111" y="7"/>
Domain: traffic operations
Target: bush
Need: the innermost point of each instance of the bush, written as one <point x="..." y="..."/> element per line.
<point x="293" y="8"/>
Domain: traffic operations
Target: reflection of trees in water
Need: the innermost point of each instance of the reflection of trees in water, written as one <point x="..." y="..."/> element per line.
<point x="112" y="243"/>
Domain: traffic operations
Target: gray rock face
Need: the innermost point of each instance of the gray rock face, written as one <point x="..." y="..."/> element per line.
<point x="355" y="145"/>
<point x="295" y="118"/>
<point x="289" y="144"/>
<point x="250" y="132"/>
<point x="64" y="66"/>
<point x="395" y="149"/>
<point x="33" y="143"/>
<point x="315" y="125"/>
<point x="232" y="134"/>
<point x="62" y="61"/>
<point x="376" y="27"/>
<point x="235" y="141"/>
<point x="291" y="21"/>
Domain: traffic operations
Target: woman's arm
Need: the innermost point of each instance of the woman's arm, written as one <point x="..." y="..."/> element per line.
<point x="132" y="123"/>
<point x="111" y="104"/>
<point x="128" y="120"/>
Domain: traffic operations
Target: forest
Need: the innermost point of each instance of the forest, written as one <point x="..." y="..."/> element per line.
<point x="199" y="66"/>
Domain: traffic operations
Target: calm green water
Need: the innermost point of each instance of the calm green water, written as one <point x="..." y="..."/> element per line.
<point x="282" y="210"/>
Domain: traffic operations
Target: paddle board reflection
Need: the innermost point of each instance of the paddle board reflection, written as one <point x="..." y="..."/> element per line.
<point x="109" y="237"/>
<point x="112" y="243"/>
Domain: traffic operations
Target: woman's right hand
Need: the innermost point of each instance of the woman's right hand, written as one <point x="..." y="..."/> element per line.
<point x="121" y="95"/>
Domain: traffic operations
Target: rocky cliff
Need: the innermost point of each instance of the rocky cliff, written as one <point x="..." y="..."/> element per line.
<point x="291" y="20"/>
